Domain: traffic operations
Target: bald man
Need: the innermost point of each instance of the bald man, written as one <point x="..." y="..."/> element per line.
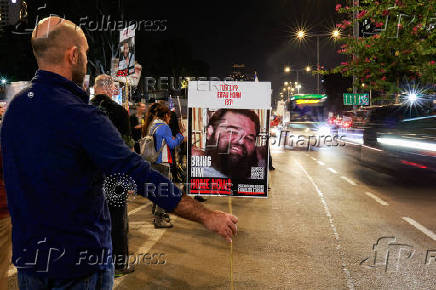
<point x="57" y="150"/>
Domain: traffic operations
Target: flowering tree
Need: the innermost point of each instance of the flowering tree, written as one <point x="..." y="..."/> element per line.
<point x="399" y="47"/>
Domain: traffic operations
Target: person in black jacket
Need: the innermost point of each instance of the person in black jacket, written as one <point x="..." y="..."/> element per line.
<point x="104" y="88"/>
<point x="136" y="123"/>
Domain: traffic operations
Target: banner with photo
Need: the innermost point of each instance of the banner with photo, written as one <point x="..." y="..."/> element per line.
<point x="228" y="125"/>
<point x="126" y="50"/>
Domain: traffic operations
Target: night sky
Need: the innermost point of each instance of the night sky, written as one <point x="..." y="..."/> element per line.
<point x="255" y="33"/>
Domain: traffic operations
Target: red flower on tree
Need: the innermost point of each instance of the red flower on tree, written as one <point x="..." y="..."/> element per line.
<point x="379" y="24"/>
<point x="361" y="14"/>
<point x="338" y="6"/>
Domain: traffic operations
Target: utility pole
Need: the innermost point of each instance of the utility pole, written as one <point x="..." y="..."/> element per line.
<point x="355" y="35"/>
<point x="317" y="63"/>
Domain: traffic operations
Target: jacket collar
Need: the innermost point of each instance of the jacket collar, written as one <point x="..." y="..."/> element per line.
<point x="55" y="79"/>
<point x="101" y="97"/>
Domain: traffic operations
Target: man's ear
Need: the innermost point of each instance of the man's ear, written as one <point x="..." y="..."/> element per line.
<point x="74" y="55"/>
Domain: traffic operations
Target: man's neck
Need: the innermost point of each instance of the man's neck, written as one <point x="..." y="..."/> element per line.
<point x="97" y="92"/>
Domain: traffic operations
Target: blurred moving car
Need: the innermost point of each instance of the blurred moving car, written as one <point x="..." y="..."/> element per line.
<point x="397" y="139"/>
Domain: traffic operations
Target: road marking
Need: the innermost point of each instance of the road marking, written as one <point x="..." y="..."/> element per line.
<point x="314" y="159"/>
<point x="348" y="180"/>
<point x="146" y="228"/>
<point x="321" y="163"/>
<point x="420" y="227"/>
<point x="376" y="198"/>
<point x="347" y="273"/>
<point x="133" y="211"/>
<point x="153" y="236"/>
<point x="332" y="170"/>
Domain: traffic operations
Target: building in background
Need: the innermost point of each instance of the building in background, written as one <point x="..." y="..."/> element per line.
<point x="242" y="73"/>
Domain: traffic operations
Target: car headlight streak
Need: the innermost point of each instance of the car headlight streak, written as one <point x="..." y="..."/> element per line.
<point x="407" y="144"/>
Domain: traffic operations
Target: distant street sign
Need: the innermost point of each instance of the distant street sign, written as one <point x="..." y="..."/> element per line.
<point x="356" y="99"/>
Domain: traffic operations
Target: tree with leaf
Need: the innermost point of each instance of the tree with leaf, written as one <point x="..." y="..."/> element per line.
<point x="399" y="48"/>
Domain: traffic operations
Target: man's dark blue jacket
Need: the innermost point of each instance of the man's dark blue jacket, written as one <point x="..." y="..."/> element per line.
<point x="57" y="150"/>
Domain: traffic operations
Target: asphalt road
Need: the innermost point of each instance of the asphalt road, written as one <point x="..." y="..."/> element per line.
<point x="328" y="223"/>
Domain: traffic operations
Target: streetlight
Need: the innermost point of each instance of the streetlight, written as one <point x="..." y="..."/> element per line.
<point x="412" y="97"/>
<point x="3" y="81"/>
<point x="336" y="34"/>
<point x="286" y="83"/>
<point x="308" y="68"/>
<point x="284" y="89"/>
<point x="301" y="34"/>
<point x="298" y="87"/>
<point x="287" y="69"/>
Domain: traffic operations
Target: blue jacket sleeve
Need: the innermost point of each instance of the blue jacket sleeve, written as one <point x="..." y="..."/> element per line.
<point x="165" y="132"/>
<point x="94" y="132"/>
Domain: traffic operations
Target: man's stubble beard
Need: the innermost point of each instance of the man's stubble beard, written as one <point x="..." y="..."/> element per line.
<point x="232" y="165"/>
<point x="78" y="73"/>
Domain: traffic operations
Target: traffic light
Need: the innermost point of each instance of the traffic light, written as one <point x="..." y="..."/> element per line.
<point x="366" y="28"/>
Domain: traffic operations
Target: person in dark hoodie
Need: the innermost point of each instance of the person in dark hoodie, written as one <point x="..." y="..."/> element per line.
<point x="5" y="230"/>
<point x="104" y="88"/>
<point x="57" y="150"/>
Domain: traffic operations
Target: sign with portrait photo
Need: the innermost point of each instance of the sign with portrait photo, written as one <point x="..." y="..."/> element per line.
<point x="126" y="60"/>
<point x="228" y="125"/>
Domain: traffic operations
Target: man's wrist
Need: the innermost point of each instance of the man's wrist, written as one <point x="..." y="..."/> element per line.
<point x="205" y="215"/>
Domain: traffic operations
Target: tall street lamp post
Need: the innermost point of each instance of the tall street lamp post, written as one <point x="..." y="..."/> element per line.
<point x="301" y="35"/>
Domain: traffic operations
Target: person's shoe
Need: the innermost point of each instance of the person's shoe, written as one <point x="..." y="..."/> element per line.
<point x="166" y="217"/>
<point x="162" y="222"/>
<point x="200" y="199"/>
<point x="122" y="272"/>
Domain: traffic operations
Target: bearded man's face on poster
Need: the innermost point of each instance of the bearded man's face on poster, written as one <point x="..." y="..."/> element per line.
<point x="232" y="143"/>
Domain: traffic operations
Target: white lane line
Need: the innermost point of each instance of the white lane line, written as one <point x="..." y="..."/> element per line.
<point x="376" y="198"/>
<point x="347" y="273"/>
<point x="332" y="170"/>
<point x="321" y="163"/>
<point x="348" y="180"/>
<point x="314" y="159"/>
<point x="153" y="236"/>
<point x="133" y="211"/>
<point x="420" y="227"/>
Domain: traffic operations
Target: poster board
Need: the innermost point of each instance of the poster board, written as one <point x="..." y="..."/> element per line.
<point x="126" y="50"/>
<point x="228" y="125"/>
